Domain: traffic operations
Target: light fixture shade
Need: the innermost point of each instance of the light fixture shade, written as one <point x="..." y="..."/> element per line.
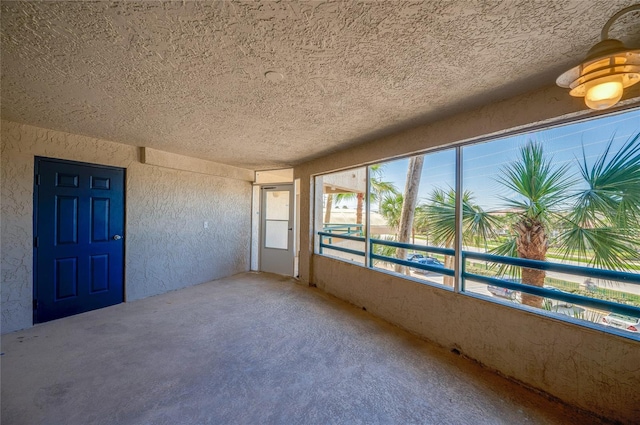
<point x="607" y="70"/>
<point x="604" y="92"/>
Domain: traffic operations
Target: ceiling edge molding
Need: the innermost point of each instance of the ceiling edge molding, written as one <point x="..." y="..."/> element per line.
<point x="159" y="158"/>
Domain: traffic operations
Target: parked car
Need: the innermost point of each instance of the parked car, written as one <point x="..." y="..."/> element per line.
<point x="415" y="256"/>
<point x="549" y="303"/>
<point x="427" y="261"/>
<point x="628" y="323"/>
<point x="573" y="311"/>
<point x="499" y="291"/>
<point x="553" y="303"/>
<point x="590" y="285"/>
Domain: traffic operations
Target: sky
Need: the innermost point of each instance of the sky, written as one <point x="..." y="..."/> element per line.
<point x="482" y="162"/>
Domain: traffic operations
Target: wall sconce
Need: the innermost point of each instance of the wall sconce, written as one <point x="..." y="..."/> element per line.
<point x="607" y="70"/>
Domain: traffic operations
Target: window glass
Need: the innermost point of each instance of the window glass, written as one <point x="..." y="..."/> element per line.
<point x="277" y="207"/>
<point x="568" y="195"/>
<point x="343" y="214"/>
<point x="276" y="234"/>
<point x="277" y="210"/>
<point x="406" y="196"/>
<point x="550" y="219"/>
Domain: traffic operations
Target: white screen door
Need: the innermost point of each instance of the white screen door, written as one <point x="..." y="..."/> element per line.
<point x="276" y="229"/>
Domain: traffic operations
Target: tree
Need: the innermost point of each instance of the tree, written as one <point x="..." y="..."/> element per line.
<point x="327" y="208"/>
<point x="477" y="224"/>
<point x="604" y="223"/>
<point x="379" y="189"/>
<point x="337" y="198"/>
<point x="391" y="209"/>
<point x="604" y="210"/>
<point x="409" y="201"/>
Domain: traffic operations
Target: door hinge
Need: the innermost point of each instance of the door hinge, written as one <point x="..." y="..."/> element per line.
<point x="35" y="242"/>
<point x="37" y="179"/>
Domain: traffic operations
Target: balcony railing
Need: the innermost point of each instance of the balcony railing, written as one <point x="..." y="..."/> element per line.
<point x="589" y="272"/>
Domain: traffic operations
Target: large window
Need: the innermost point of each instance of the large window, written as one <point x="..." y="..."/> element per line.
<point x="403" y="196"/>
<point x="342" y="217"/>
<point x="549" y="220"/>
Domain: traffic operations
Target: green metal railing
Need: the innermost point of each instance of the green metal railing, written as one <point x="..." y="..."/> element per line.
<point x="343" y="230"/>
<point x="630" y="278"/>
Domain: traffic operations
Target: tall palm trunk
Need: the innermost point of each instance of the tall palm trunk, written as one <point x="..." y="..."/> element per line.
<point x="359" y="207"/>
<point x="327" y="211"/>
<point x="449" y="263"/>
<point x="532" y="243"/>
<point x="410" y="199"/>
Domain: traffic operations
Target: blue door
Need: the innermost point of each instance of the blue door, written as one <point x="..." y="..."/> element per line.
<point x="78" y="246"/>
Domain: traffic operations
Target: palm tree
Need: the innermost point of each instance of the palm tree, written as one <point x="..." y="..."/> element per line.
<point x="409" y="201"/>
<point x="390" y="209"/>
<point x="477" y="224"/>
<point x="602" y="223"/>
<point x="379" y="189"/>
<point x="384" y="250"/>
<point x="327" y="208"/>
<point x="335" y="198"/>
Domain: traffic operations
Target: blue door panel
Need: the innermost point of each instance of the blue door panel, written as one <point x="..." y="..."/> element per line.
<point x="66" y="278"/>
<point x="99" y="273"/>
<point x="67" y="180"/>
<point x="99" y="219"/>
<point x="78" y="263"/>
<point x="66" y="219"/>
<point x="100" y="182"/>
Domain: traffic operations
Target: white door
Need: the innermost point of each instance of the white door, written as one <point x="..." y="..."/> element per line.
<point x="276" y="229"/>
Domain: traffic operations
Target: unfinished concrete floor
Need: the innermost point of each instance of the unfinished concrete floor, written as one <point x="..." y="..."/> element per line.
<point x="250" y="349"/>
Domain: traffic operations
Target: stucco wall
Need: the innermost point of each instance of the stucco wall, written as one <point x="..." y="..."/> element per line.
<point x="585" y="367"/>
<point x="166" y="245"/>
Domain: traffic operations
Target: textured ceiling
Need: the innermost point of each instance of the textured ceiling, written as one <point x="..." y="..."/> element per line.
<point x="189" y="77"/>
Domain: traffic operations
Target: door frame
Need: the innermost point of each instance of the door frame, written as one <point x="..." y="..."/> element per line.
<point x="292" y="221"/>
<point x="34" y="266"/>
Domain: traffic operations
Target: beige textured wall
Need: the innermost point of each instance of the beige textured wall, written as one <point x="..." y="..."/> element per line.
<point x="166" y="244"/>
<point x="588" y="368"/>
<point x="584" y="367"/>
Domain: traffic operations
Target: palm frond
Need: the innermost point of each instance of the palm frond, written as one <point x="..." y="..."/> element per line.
<point x="613" y="186"/>
<point x="391" y="208"/>
<point x="477" y="224"/>
<point x="539" y="186"/>
<point x="507" y="249"/>
<point x="608" y="247"/>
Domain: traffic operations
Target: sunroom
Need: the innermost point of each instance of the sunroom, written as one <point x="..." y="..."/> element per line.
<point x="421" y="161"/>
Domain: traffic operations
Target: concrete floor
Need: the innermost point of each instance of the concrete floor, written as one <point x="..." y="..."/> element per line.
<point x="250" y="349"/>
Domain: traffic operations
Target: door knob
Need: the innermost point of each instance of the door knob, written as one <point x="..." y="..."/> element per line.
<point x="117" y="237"/>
